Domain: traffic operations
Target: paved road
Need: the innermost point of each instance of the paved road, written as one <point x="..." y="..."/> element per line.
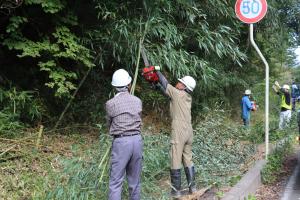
<point x="292" y="190"/>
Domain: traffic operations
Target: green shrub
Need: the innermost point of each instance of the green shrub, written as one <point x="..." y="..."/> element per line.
<point x="275" y="160"/>
<point x="17" y="109"/>
<point x="9" y="124"/>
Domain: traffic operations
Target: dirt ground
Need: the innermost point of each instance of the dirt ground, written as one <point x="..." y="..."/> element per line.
<point x="274" y="191"/>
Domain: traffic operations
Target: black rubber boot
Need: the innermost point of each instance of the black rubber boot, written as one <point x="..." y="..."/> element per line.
<point x="190" y="177"/>
<point x="176" y="183"/>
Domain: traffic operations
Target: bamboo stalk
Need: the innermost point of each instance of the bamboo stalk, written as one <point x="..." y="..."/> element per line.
<point x="103" y="171"/>
<point x="16" y="141"/>
<point x="11" y="140"/>
<point x="20" y="142"/>
<point x="104" y="157"/>
<point x="137" y="67"/>
<point x="72" y="98"/>
<point x="106" y="161"/>
<point x="39" y="136"/>
<point x="138" y="58"/>
<point x="74" y="94"/>
<point x="8" y="149"/>
<point x="14" y="107"/>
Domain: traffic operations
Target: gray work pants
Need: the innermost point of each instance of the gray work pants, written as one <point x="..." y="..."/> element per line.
<point x="126" y="158"/>
<point x="285" y="117"/>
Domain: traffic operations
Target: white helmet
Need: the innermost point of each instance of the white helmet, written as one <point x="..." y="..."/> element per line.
<point x="286" y="87"/>
<point x="247" y="92"/>
<point x="189" y="82"/>
<point x="120" y="78"/>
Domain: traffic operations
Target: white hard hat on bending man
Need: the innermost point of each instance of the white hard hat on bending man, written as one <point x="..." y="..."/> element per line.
<point x="189" y="82"/>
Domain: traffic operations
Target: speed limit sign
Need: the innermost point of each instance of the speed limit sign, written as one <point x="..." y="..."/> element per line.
<point x="250" y="11"/>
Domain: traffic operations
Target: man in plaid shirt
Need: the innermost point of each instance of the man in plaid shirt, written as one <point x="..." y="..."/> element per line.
<point x="123" y="114"/>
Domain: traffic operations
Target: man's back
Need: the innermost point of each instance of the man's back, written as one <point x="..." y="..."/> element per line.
<point x="180" y="105"/>
<point x="124" y="114"/>
<point x="246" y="107"/>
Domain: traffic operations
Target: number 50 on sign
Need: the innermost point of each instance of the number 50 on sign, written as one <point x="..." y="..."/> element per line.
<point x="251" y="11"/>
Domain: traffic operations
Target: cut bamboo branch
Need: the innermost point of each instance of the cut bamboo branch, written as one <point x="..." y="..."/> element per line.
<point x="196" y="195"/>
<point x="19" y="142"/>
<point x="7" y="150"/>
<point x="138" y="58"/>
<point x="104" y="157"/>
<point x="105" y="160"/>
<point x="103" y="171"/>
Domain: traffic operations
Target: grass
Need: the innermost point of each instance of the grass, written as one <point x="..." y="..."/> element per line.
<point x="76" y="166"/>
<point x="29" y="173"/>
<point x="275" y="160"/>
<point x="219" y="155"/>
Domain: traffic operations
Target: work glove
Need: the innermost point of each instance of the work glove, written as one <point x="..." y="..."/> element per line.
<point x="277" y="84"/>
<point x="275" y="88"/>
<point x="295" y="87"/>
<point x="157" y="68"/>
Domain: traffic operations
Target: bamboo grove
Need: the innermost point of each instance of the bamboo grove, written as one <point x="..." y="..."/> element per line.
<point x="47" y="47"/>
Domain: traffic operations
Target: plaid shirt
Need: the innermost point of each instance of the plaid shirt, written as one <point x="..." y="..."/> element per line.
<point x="123" y="114"/>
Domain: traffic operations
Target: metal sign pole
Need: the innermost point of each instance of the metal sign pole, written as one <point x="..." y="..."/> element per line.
<point x="267" y="91"/>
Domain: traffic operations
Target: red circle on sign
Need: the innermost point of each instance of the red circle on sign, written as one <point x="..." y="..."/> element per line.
<point x="251" y="20"/>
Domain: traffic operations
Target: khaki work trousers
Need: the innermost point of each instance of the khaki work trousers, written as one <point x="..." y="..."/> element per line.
<point x="181" y="146"/>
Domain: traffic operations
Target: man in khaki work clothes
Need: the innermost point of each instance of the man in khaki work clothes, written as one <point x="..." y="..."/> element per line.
<point x="182" y="131"/>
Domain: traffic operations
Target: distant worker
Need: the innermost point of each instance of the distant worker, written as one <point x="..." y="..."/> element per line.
<point x="295" y="94"/>
<point x="123" y="113"/>
<point x="246" y="107"/>
<point x="298" y="117"/>
<point x="182" y="131"/>
<point x="285" y="107"/>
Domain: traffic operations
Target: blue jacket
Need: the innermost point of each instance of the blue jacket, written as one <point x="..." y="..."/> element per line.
<point x="246" y="107"/>
<point x="295" y="91"/>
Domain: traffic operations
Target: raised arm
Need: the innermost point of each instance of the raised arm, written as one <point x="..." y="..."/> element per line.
<point x="162" y="80"/>
<point x="277" y="88"/>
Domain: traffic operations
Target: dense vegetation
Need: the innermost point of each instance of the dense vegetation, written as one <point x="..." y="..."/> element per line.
<point x="47" y="48"/>
<point x="59" y="54"/>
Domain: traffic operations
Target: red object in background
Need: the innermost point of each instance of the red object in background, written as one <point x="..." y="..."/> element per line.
<point x="254" y="106"/>
<point x="150" y="74"/>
